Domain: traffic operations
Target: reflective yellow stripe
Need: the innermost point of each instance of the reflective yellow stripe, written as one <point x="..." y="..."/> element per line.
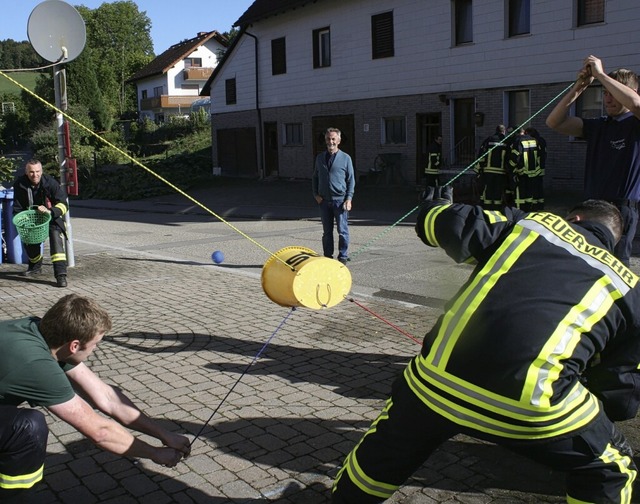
<point x="58" y="257"/>
<point x="430" y="222"/>
<point x="529" y="422"/>
<point x="494" y="216"/>
<point x="571" y="500"/>
<point x="468" y="301"/>
<point x="62" y="207"/>
<point x="21" y="481"/>
<point x="547" y="367"/>
<point x="612" y="455"/>
<point x="357" y="475"/>
<point x="557" y="231"/>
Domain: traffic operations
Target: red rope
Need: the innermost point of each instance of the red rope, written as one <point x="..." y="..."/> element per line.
<point x="386" y="321"/>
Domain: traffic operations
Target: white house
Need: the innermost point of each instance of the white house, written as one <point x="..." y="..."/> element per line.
<point x="170" y="83"/>
<point x="391" y="74"/>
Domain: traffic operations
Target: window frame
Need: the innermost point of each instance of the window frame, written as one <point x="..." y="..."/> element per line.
<point x="230" y="91"/>
<point x="322" y="47"/>
<point x="293" y="134"/>
<point x="191" y="62"/>
<point x="279" y="56"/>
<point x="589" y="12"/>
<point x="382" y="35"/>
<point x="394" y="130"/>
<point x="518" y="115"/>
<point x="518" y="18"/>
<point x="462" y="21"/>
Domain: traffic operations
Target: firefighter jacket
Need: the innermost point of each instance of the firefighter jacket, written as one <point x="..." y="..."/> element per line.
<point x="48" y="193"/>
<point x="434" y="159"/>
<point x="492" y="156"/>
<point x="546" y="327"/>
<point x="523" y="158"/>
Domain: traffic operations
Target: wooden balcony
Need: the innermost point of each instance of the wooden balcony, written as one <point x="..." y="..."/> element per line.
<point x="195" y="73"/>
<point x="167" y="102"/>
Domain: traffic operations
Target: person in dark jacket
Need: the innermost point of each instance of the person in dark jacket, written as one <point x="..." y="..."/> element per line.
<point x="491" y="170"/>
<point x="37" y="190"/>
<point x="538" y="351"/>
<point x="434" y="162"/>
<point x="523" y="170"/>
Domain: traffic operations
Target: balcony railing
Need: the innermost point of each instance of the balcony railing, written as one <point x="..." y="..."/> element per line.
<point x="167" y="101"/>
<point x="196" y="73"/>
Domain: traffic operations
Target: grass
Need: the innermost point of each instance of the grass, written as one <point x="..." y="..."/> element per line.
<point x="27" y="79"/>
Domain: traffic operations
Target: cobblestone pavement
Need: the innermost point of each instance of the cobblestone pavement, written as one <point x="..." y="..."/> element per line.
<point x="183" y="335"/>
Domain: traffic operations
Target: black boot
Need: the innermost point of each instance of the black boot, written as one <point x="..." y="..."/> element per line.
<point x="61" y="280"/>
<point x="33" y="269"/>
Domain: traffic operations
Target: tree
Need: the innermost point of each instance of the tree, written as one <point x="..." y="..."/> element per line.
<point x="118" y="35"/>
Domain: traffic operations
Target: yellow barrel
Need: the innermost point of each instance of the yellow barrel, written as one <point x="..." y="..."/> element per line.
<point x="297" y="276"/>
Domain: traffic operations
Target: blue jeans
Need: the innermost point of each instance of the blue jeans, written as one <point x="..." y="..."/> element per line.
<point x="333" y="211"/>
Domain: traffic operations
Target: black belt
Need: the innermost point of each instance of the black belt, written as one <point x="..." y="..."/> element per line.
<point x="626" y="202"/>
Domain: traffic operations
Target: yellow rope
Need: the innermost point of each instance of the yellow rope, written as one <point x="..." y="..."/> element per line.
<point x="148" y="170"/>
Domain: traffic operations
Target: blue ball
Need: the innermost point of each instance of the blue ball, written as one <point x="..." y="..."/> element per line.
<point x="217" y="257"/>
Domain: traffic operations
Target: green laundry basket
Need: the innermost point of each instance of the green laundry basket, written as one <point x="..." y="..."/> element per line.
<point x="32" y="226"/>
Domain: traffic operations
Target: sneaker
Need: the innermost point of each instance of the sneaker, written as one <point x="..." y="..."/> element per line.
<point x="61" y="280"/>
<point x="36" y="270"/>
<point x="343" y="260"/>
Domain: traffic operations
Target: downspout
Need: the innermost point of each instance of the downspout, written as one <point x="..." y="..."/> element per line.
<point x="258" y="110"/>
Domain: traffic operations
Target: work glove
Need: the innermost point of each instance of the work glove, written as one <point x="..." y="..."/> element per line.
<point x="442" y="193"/>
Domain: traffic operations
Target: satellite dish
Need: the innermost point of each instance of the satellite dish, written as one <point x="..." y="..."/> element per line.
<point x="56" y="31"/>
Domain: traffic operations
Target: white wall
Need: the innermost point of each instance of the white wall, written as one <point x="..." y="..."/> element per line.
<point x="424" y="61"/>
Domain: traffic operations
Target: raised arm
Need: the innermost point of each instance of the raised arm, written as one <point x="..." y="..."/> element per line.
<point x="559" y="118"/>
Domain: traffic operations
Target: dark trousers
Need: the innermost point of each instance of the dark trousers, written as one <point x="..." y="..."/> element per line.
<point x="493" y="192"/>
<point x="630" y="223"/>
<point x="597" y="459"/>
<point x="23" y="446"/>
<point x="58" y="255"/>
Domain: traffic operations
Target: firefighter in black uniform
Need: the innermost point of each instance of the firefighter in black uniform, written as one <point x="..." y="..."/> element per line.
<point x="538" y="182"/>
<point x="523" y="170"/>
<point x="36" y="189"/>
<point x="434" y="160"/>
<point x="538" y="352"/>
<point x="491" y="171"/>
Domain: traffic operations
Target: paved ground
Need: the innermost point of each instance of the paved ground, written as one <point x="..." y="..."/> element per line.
<point x="183" y="335"/>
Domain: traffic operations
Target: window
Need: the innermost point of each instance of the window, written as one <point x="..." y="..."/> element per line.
<point x="589" y="104"/>
<point x="382" y="35"/>
<point x="519" y="110"/>
<point x="321" y="48"/>
<point x="157" y="91"/>
<point x="293" y="134"/>
<point x="590" y="12"/>
<point x="193" y="62"/>
<point x="278" y="56"/>
<point x="394" y="130"/>
<point x="519" y="17"/>
<point x="144" y="94"/>
<point x="230" y="91"/>
<point x="463" y="21"/>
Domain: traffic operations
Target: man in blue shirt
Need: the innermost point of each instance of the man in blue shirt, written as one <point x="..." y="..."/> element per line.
<point x="612" y="168"/>
<point x="333" y="183"/>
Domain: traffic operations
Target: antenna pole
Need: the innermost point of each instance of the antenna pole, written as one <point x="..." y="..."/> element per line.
<point x="60" y="88"/>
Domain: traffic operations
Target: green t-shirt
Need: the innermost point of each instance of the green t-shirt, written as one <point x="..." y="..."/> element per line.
<point x="28" y="371"/>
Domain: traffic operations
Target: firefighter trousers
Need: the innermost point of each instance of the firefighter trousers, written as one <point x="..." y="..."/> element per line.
<point x="23" y="446"/>
<point x="597" y="460"/>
